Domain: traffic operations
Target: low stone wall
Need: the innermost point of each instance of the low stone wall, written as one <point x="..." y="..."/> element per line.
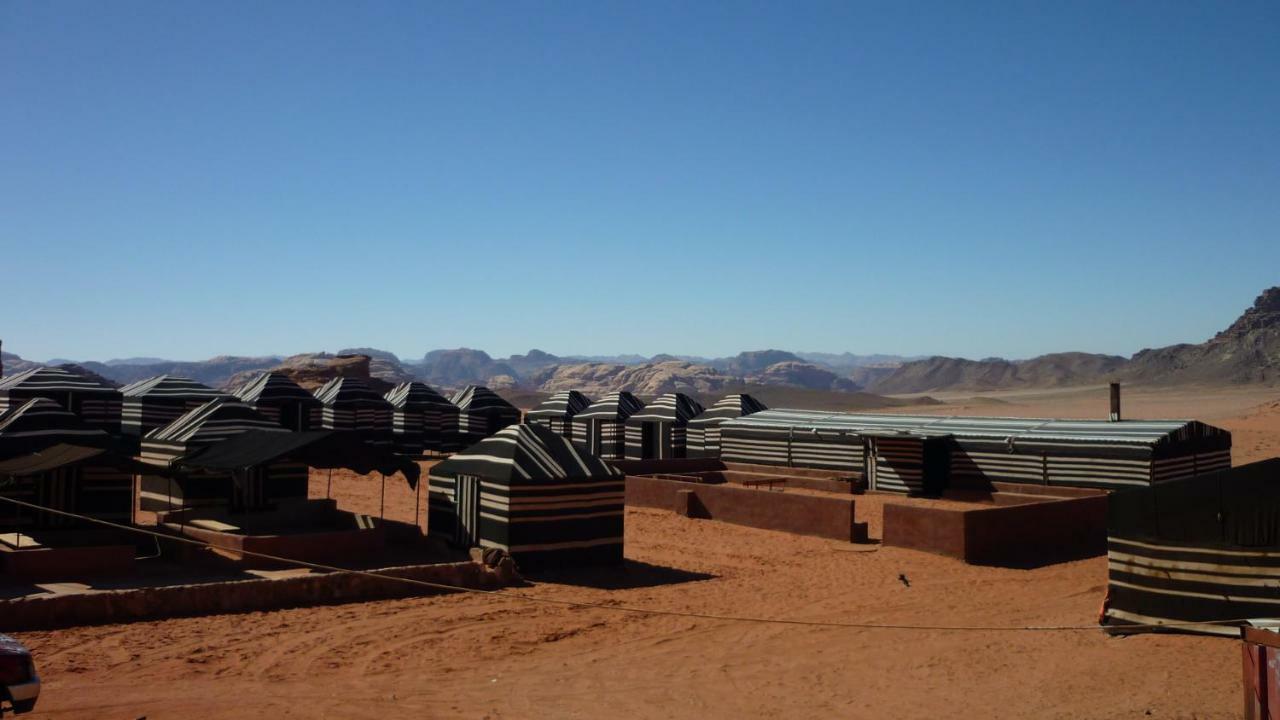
<point x="65" y="563"/>
<point x="119" y="606"/>
<point x="323" y="546"/>
<point x="1023" y="531"/>
<point x="829" y="517"/>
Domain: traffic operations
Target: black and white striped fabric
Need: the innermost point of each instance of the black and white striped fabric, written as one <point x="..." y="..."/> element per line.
<point x="703" y="434"/>
<point x="41" y="423"/>
<point x="1078" y="453"/>
<point x="481" y="413"/>
<point x="531" y="492"/>
<point x="157" y="401"/>
<point x="209" y="424"/>
<point x="557" y="412"/>
<point x="600" y="428"/>
<point x="278" y="397"/>
<point x="1195" y="550"/>
<point x="350" y="404"/>
<point x="422" y="419"/>
<point x="89" y="481"/>
<point x="658" y="431"/>
<point x="94" y="402"/>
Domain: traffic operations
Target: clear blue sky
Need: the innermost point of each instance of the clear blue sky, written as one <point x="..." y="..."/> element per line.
<point x="184" y="179"/>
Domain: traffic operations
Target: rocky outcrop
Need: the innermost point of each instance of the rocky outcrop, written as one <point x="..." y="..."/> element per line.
<point x="1248" y="351"/>
<point x="793" y="373"/>
<point x="462" y="366"/>
<point x="646" y="380"/>
<point x="311" y="370"/>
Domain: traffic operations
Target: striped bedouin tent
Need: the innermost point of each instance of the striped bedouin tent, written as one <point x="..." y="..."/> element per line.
<point x="556" y="413"/>
<point x="422" y="419"/>
<point x="978" y="451"/>
<point x="158" y="401"/>
<point x="278" y="397"/>
<point x="531" y="492"/>
<point x="352" y="405"/>
<point x="52" y="458"/>
<point x="600" y="428"/>
<point x="90" y="399"/>
<point x="703" y="433"/>
<point x="1194" y="550"/>
<point x="658" y="431"/>
<point x="210" y="424"/>
<point x="481" y="413"/>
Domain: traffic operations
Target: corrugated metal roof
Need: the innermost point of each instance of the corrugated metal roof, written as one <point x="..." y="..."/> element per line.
<point x="1140" y="432"/>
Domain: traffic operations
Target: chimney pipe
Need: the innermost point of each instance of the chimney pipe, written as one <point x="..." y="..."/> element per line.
<point x="1115" y="402"/>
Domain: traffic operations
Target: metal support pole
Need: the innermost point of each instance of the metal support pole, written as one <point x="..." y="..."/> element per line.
<point x="328" y="491"/>
<point x="382" y="510"/>
<point x="417" y="502"/>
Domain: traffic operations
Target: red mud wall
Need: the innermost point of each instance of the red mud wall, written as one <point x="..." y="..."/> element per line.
<point x="1033" y="533"/>
<point x="67" y="563"/>
<point x="829" y="517"/>
<point x="115" y="606"/>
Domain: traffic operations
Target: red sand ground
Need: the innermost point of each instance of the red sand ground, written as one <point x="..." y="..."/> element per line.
<point x="495" y="657"/>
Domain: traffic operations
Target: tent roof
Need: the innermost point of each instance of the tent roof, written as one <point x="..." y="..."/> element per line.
<point x="672" y="407"/>
<point x="273" y="386"/>
<point x="62" y="455"/>
<point x="415" y="394"/>
<point x="479" y="397"/>
<point x="54" y="379"/>
<point x="1131" y="432"/>
<point x="729" y="406"/>
<point x="40" y="423"/>
<point x="213" y="421"/>
<point x="614" y="406"/>
<point x="565" y="404"/>
<point x="319" y="449"/>
<point x="343" y="390"/>
<point x="170" y="386"/>
<point x="525" y="453"/>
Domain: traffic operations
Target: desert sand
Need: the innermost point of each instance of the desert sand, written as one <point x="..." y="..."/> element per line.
<point x="500" y="657"/>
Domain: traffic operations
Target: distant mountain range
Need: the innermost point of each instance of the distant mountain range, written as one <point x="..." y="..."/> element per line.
<point x="1246" y="352"/>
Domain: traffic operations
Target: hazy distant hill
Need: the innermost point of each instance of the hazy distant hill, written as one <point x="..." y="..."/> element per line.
<point x="1246" y="352"/>
<point x="947" y="373"/>
<point x="848" y="361"/>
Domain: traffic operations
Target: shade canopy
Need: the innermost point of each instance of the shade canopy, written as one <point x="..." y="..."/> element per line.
<point x="324" y="449"/>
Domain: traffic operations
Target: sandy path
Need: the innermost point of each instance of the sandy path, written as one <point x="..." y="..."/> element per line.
<point x="472" y="656"/>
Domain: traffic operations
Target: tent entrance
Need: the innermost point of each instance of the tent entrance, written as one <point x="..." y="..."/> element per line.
<point x="871" y="459"/>
<point x="648" y="440"/>
<point x="248" y="490"/>
<point x="291" y="416"/>
<point x="466" y="495"/>
<point x="57" y="489"/>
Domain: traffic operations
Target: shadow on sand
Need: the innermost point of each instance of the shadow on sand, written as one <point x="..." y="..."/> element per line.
<point x="631" y="574"/>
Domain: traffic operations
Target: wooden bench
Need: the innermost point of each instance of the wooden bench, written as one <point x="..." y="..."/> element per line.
<point x="214" y="525"/>
<point x="17" y="541"/>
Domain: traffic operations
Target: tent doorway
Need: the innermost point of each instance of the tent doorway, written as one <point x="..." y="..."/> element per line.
<point x="466" y="496"/>
<point x="648" y="440"/>
<point x="291" y="416"/>
<point x="870" y="459"/>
